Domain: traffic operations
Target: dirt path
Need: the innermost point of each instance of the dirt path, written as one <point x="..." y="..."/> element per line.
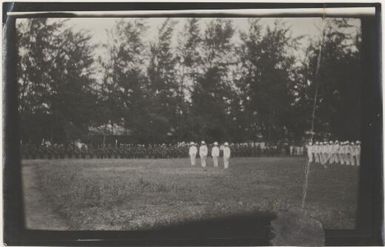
<point x="39" y="215"/>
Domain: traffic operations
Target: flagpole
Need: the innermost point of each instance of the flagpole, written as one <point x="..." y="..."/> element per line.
<point x="307" y="168"/>
<point x="316" y="82"/>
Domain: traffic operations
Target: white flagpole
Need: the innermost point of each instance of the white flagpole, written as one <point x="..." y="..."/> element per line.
<point x="307" y="168"/>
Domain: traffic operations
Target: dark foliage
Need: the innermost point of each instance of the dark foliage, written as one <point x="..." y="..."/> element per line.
<point x="206" y="87"/>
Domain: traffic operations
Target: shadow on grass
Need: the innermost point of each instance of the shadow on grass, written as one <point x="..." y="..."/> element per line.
<point x="243" y="229"/>
<point x="244" y="226"/>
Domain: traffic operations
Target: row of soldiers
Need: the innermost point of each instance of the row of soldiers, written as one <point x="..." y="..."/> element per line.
<point x="215" y="153"/>
<point x="296" y="150"/>
<point x="139" y="151"/>
<point x="342" y="153"/>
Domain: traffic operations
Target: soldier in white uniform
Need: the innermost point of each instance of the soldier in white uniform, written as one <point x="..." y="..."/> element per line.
<point x="357" y="152"/>
<point x="351" y="153"/>
<point x="215" y="154"/>
<point x="203" y="153"/>
<point x="343" y="153"/>
<point x="315" y="152"/>
<point x="340" y="153"/>
<point x="226" y="155"/>
<point x="330" y="152"/>
<point x="321" y="152"/>
<point x="301" y="150"/>
<point x="310" y="150"/>
<point x="326" y="153"/>
<point x="291" y="150"/>
<point x="336" y="151"/>
<point x="193" y="150"/>
<point x="347" y="154"/>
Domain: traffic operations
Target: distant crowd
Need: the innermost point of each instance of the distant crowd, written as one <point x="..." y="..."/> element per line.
<point x="47" y="150"/>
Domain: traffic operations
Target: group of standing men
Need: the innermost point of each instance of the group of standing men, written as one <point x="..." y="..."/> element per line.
<point x="343" y="153"/>
<point x="215" y="153"/>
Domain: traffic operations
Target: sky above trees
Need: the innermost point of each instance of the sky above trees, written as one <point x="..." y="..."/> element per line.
<point x="308" y="28"/>
<point x="298" y="26"/>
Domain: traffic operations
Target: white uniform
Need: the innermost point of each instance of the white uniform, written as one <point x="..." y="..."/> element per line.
<point x="358" y="154"/>
<point x="334" y="153"/>
<point x="346" y="152"/>
<point x="203" y="154"/>
<point x="339" y="154"/>
<point x="325" y="153"/>
<point x="316" y="153"/>
<point x="343" y="155"/>
<point x="215" y="155"/>
<point x="226" y="156"/>
<point x="351" y="154"/>
<point x="193" y="153"/>
<point x="321" y="153"/>
<point x="309" y="149"/>
<point x="329" y="153"/>
<point x="291" y="150"/>
<point x="301" y="151"/>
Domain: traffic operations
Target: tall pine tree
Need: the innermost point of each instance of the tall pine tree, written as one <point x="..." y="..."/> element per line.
<point x="55" y="82"/>
<point x="212" y="92"/>
<point x="164" y="88"/>
<point x="125" y="85"/>
<point x="267" y="76"/>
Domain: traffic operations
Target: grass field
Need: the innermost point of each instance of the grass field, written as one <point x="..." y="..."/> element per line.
<point x="140" y="194"/>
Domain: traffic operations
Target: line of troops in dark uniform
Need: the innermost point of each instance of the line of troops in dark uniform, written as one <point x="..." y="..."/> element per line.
<point x="128" y="151"/>
<point x="342" y="153"/>
<point x="137" y="151"/>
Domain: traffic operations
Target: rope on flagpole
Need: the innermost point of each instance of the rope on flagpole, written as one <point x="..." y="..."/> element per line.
<point x="307" y="168"/>
<point x="316" y="80"/>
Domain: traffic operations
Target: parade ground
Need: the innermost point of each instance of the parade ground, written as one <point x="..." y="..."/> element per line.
<point x="136" y="194"/>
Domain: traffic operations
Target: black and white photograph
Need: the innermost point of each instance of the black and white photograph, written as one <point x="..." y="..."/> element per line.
<point x="218" y="126"/>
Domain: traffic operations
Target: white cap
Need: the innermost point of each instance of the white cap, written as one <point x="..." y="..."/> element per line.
<point x="226" y="143"/>
<point x="192" y="143"/>
<point x="215" y="143"/>
<point x="203" y="142"/>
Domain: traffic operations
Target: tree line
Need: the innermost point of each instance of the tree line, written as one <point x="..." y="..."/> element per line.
<point x="206" y="87"/>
